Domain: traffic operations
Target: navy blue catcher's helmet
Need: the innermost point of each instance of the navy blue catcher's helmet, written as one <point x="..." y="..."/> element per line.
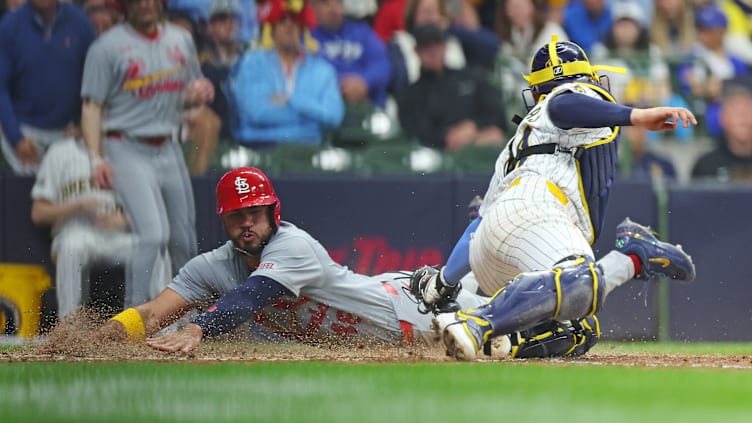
<point x="558" y="62"/>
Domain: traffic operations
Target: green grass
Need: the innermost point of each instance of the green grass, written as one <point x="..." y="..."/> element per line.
<point x="415" y="392"/>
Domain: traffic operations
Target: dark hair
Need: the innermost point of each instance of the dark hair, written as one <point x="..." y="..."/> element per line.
<point x="503" y="26"/>
<point x="642" y="44"/>
<point x="412" y="6"/>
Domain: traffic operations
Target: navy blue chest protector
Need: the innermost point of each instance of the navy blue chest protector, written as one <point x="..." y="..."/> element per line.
<point x="597" y="166"/>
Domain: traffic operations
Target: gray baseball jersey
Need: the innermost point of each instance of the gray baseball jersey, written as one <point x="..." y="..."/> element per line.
<point x="535" y="215"/>
<point x="141" y="80"/>
<point x="329" y="298"/>
<point x="64" y="177"/>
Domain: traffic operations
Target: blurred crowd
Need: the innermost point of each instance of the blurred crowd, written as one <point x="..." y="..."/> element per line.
<point x="113" y="104"/>
<point x="412" y="85"/>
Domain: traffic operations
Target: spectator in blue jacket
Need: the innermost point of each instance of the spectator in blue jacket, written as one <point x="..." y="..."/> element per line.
<point x="43" y="45"/>
<point x="357" y="53"/>
<point x="284" y="94"/>
<point x="587" y="22"/>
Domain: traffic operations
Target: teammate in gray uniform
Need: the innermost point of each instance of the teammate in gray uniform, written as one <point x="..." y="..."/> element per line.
<point x="139" y="77"/>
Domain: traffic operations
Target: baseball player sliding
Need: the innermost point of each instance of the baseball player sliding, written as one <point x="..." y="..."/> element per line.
<point x="282" y="280"/>
<point x="88" y="225"/>
<point x="544" y="208"/>
<point x="138" y="78"/>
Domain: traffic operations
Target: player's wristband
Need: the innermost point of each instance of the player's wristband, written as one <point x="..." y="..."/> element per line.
<point x="133" y="323"/>
<point x="96" y="161"/>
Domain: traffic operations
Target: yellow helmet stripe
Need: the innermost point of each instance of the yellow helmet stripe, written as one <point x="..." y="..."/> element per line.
<point x="552" y="51"/>
<point x="567" y="69"/>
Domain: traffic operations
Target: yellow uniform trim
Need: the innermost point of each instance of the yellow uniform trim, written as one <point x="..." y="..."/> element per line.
<point x="556" y="191"/>
<point x="133" y="323"/>
<point x="481" y="322"/>
<point x="614" y="133"/>
<point x="595" y="289"/>
<point x="581" y="189"/>
<point x="557" y="282"/>
<point x="136" y="83"/>
<point x="597" y="328"/>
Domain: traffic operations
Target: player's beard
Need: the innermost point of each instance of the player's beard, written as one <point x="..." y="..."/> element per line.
<point x="244" y="248"/>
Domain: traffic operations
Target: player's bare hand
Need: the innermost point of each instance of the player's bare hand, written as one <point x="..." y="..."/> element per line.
<point x="111" y="221"/>
<point x="101" y="174"/>
<point x="185" y="340"/>
<point x="200" y="91"/>
<point x="279" y="99"/>
<point x="662" y="118"/>
<point x="90" y="207"/>
<point x="354" y="89"/>
<point x="27" y="152"/>
<point x="461" y="134"/>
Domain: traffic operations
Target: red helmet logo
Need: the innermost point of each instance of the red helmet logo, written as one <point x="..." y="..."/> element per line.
<point x="246" y="187"/>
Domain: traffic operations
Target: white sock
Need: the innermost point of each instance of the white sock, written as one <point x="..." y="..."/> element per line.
<point x="617" y="269"/>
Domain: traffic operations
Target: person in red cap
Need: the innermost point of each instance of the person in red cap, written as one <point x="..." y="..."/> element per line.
<point x="283" y="93"/>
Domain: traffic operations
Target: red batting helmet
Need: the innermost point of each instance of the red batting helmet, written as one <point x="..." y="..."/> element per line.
<point x="246" y="187"/>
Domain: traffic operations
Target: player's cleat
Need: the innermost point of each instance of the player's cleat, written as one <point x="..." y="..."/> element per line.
<point x="499" y="347"/>
<point x="428" y="286"/>
<point x="658" y="258"/>
<point x="463" y="334"/>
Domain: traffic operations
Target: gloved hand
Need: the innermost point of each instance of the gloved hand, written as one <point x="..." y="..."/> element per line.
<point x="428" y="286"/>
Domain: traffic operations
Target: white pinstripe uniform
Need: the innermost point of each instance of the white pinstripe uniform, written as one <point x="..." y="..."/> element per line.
<point x="65" y="177"/>
<point x="535" y="215"/>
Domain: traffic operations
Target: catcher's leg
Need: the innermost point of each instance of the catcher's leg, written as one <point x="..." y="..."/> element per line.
<point x="564" y="293"/>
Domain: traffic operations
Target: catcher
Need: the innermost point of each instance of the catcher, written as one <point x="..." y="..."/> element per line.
<point x="544" y="208"/>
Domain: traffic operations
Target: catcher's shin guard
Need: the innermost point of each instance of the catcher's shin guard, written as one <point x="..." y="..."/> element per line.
<point x="556" y="339"/>
<point x="564" y="293"/>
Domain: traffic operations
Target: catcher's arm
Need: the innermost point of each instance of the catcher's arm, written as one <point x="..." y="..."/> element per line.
<point x="148" y="318"/>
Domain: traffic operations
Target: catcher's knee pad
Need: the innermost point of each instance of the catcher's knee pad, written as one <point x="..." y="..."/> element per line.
<point x="579" y="290"/>
<point x="569" y="292"/>
<point x="556" y="339"/>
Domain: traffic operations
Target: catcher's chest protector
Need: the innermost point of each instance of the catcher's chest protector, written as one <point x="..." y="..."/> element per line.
<point x="597" y="167"/>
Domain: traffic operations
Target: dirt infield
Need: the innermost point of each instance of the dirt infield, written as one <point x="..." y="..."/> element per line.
<point x="74" y="341"/>
<point x="243" y="352"/>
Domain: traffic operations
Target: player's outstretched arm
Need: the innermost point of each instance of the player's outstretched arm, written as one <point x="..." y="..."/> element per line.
<point x="230" y="310"/>
<point x="662" y="118"/>
<point x="139" y="322"/>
